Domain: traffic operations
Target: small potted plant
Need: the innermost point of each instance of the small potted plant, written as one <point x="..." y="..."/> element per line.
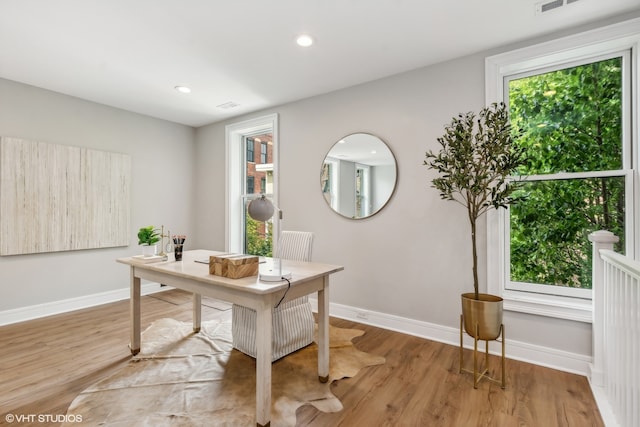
<point x="476" y="158"/>
<point x="148" y="237"/>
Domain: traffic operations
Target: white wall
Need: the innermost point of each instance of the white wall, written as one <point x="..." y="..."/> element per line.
<point x="162" y="155"/>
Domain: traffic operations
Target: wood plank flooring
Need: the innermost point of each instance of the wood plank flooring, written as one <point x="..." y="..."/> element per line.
<point x="45" y="363"/>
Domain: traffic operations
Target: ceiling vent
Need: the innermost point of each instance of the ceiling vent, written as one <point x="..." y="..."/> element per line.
<point x="546" y="6"/>
<point x="228" y="105"/>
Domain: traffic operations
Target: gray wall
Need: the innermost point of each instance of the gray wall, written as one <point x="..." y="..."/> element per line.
<point x="162" y="156"/>
<point x="347" y="187"/>
<point x="383" y="177"/>
<point x="411" y="260"/>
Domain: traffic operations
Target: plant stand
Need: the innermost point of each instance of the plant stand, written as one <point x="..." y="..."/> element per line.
<point x="477" y="376"/>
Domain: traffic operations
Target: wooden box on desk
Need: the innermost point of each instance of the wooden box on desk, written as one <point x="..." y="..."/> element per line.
<point x="234" y="266"/>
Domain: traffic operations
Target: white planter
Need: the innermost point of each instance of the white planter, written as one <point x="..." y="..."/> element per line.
<point x="149" y="250"/>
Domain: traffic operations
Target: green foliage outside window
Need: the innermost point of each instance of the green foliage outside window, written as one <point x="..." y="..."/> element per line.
<point x="571" y="121"/>
<point x="258" y="243"/>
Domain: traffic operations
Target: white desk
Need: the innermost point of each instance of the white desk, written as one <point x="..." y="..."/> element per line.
<point x="307" y="277"/>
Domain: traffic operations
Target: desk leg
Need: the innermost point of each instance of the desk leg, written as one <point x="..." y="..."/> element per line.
<point x="197" y="312"/>
<point x="263" y="363"/>
<point x="134" y="305"/>
<point x="323" y="332"/>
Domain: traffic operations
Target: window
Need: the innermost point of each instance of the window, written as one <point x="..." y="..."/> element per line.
<point x="246" y="180"/>
<point x="250" y="149"/>
<point x="263" y="152"/>
<point x="571" y="100"/>
<point x="250" y="185"/>
<point x="571" y="121"/>
<point x="328" y="180"/>
<point x="258" y="236"/>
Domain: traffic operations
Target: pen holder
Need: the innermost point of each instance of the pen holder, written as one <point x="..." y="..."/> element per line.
<point x="177" y="250"/>
<point x="178" y="242"/>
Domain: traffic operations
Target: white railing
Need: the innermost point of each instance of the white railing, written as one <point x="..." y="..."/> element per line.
<point x="615" y="369"/>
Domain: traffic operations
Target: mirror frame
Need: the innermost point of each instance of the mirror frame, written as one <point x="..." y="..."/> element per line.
<point x="391" y="193"/>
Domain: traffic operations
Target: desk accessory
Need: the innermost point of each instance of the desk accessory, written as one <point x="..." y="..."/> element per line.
<point x="233" y="266"/>
<point x="148" y="238"/>
<point x="262" y="209"/>
<point x="148" y="259"/>
<point x="164" y="247"/>
<point x="178" y="244"/>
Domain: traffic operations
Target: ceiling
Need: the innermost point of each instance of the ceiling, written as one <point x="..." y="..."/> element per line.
<point x="130" y="54"/>
<point x="362" y="148"/>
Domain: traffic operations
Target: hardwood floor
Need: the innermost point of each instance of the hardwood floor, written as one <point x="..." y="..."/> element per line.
<point x="45" y="363"/>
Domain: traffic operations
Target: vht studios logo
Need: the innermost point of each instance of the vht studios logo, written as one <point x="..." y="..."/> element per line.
<point x="42" y="418"/>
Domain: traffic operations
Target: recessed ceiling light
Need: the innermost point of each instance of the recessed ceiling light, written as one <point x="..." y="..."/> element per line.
<point x="182" y="89"/>
<point x="304" y="40"/>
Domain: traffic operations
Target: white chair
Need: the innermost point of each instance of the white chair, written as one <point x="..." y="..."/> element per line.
<point x="293" y="321"/>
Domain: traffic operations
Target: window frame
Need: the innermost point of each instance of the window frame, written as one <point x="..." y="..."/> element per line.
<point x="626" y="174"/>
<point x="235" y="176"/>
<point x="559" y="53"/>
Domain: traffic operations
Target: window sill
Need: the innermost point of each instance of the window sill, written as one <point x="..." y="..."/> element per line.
<point x="579" y="310"/>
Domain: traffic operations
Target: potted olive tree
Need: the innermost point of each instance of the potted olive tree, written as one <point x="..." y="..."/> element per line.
<point x="148" y="237"/>
<point x="477" y="155"/>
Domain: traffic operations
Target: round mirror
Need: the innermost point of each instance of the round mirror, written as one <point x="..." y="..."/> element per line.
<point x="358" y="176"/>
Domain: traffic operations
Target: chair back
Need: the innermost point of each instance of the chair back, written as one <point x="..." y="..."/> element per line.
<point x="296" y="245"/>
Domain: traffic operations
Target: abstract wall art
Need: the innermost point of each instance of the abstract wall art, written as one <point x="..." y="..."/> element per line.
<point x="61" y="198"/>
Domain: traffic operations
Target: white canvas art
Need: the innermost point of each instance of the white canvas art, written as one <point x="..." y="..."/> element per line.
<point x="61" y="198"/>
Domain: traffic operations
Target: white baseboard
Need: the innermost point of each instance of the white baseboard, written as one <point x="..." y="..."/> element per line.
<point x="56" y="307"/>
<point x="606" y="412"/>
<point x="538" y="355"/>
<point x="552" y="358"/>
